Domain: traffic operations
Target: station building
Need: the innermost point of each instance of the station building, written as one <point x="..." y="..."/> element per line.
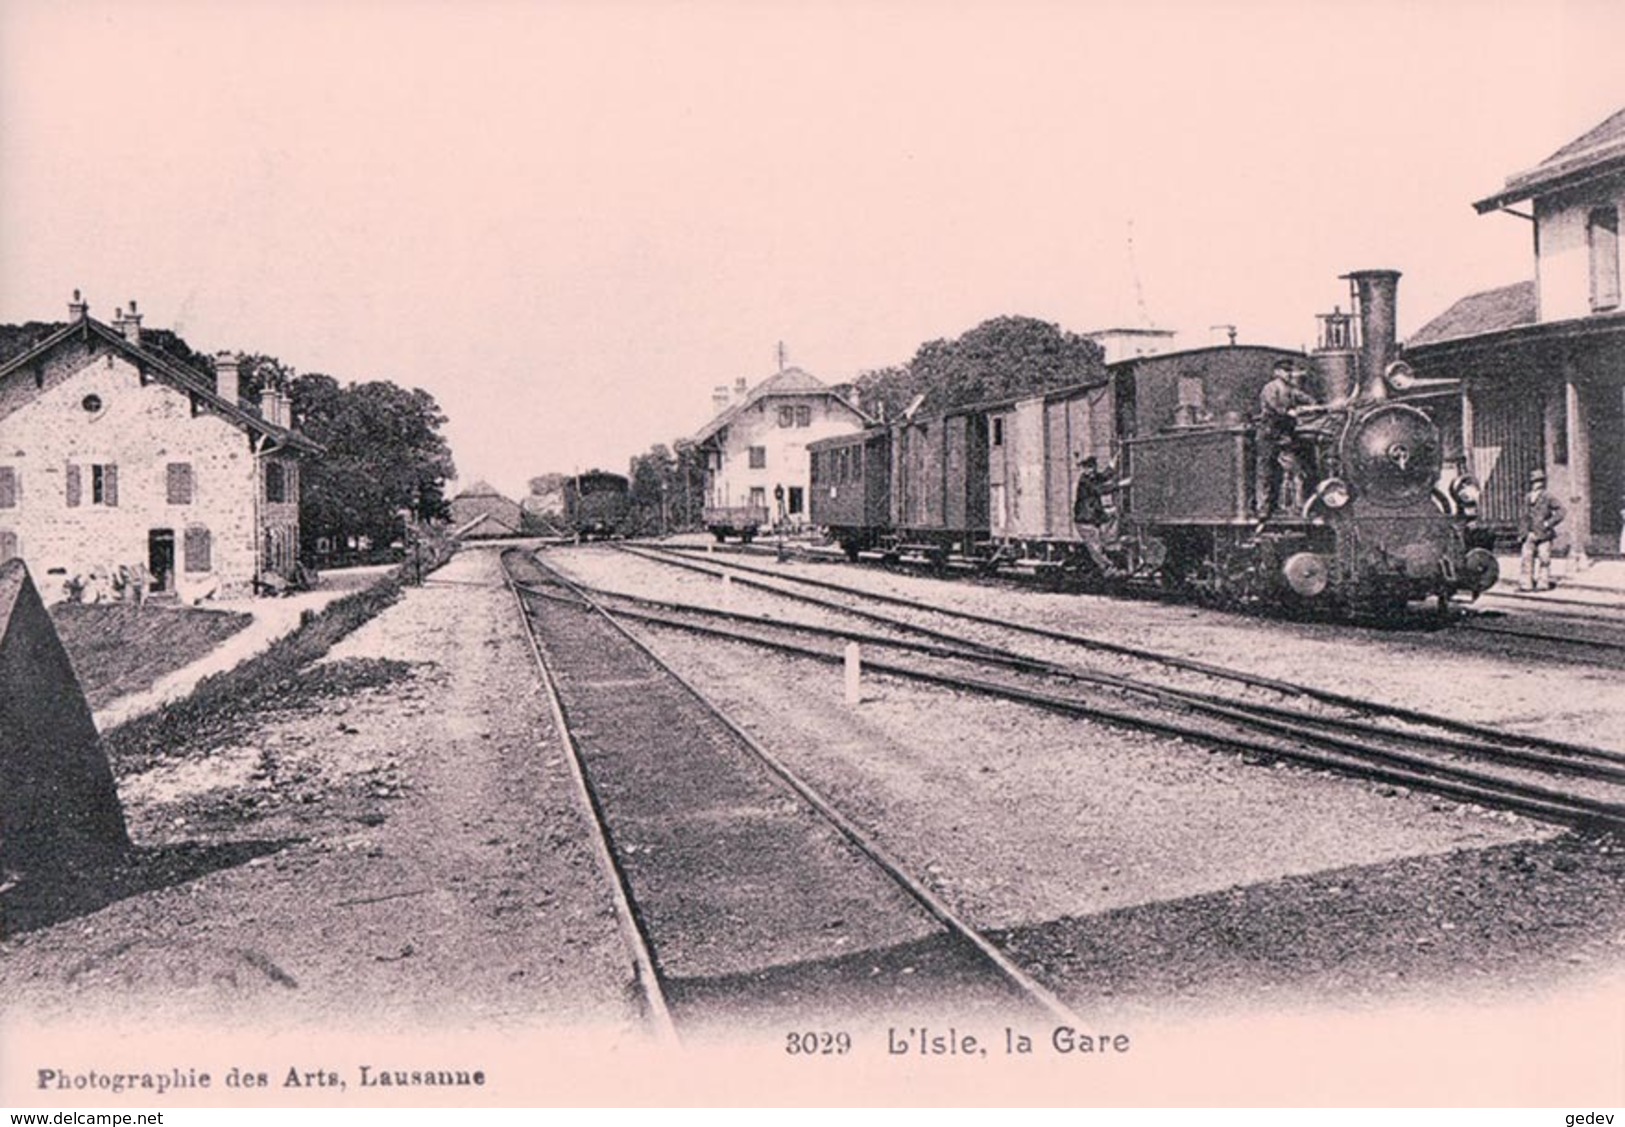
<point x="114" y="453"/>
<point x="756" y="444"/>
<point x="1542" y="362"/>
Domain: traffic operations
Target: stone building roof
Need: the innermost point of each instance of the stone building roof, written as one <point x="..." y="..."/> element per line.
<point x="157" y="365"/>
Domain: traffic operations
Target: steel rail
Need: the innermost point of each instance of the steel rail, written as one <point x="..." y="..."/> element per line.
<point x="631" y="925"/>
<point x="1542" y="636"/>
<point x="1325" y="696"/>
<point x="1407" y="770"/>
<point x="934" y="905"/>
<point x="1601" y="765"/>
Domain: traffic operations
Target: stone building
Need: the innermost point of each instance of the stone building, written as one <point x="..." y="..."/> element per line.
<point x="1542" y="362"/>
<point x="113" y="453"/>
<point x="756" y="445"/>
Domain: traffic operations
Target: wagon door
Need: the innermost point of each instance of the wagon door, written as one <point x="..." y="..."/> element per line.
<point x="1025" y="446"/>
<point x="998" y="473"/>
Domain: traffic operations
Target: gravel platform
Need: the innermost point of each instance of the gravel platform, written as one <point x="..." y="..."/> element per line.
<point x="399" y="843"/>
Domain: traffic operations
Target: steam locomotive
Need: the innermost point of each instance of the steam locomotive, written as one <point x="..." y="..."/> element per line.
<point x="1390" y="520"/>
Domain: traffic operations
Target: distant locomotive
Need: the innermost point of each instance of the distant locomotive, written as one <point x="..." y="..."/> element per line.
<point x="992" y="485"/>
<point x="597" y="505"/>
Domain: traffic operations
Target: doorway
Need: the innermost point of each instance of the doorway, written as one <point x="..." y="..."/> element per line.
<point x="161" y="559"/>
<point x="1605" y="417"/>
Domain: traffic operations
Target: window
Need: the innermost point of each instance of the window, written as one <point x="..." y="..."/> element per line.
<point x="998" y="431"/>
<point x="803" y="416"/>
<point x="8" y="487"/>
<point x="1191" y="391"/>
<point x="178" y="483"/>
<point x="758" y="457"/>
<point x="198" y="549"/>
<point x="103" y="485"/>
<point x="1602" y="234"/>
<point x="9" y="548"/>
<point x="276" y="484"/>
<point x="787" y="416"/>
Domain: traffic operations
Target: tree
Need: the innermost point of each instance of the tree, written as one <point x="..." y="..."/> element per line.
<point x="1001" y="358"/>
<point x="384" y="453"/>
<point x="652" y="477"/>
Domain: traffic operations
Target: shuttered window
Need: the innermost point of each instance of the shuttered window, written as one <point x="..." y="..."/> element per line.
<point x="73" y="485"/>
<point x="758" y="457"/>
<point x="8" y="487"/>
<point x="198" y="549"/>
<point x="178" y="483"/>
<point x="104" y="485"/>
<point x="1602" y="232"/>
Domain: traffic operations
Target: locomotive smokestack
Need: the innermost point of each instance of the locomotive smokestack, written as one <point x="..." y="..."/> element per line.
<point x="1375" y="292"/>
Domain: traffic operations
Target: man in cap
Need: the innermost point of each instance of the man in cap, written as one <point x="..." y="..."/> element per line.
<point x="1278" y="442"/>
<point x="1537" y="528"/>
<point x="1089" y="512"/>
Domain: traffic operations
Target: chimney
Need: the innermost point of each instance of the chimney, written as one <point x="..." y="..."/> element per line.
<point x="719" y="399"/>
<point x="740" y="388"/>
<point x="78" y="308"/>
<point x="128" y="323"/>
<point x="227" y="383"/>
<point x="1375" y="293"/>
<point x="274" y="405"/>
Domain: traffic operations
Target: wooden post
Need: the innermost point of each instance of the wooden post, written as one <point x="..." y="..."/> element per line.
<point x="854" y="674"/>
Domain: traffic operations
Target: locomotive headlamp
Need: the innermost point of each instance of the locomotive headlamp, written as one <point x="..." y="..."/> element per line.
<point x="1334" y="493"/>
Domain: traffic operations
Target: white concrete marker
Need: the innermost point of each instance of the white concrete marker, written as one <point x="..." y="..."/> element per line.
<point x="854" y="674"/>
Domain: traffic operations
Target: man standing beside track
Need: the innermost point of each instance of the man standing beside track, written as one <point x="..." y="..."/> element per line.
<point x="1537" y="528"/>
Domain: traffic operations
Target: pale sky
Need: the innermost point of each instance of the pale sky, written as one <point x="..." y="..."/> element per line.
<point x="569" y="221"/>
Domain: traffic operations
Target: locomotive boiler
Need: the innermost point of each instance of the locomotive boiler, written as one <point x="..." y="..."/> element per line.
<point x="1385" y="523"/>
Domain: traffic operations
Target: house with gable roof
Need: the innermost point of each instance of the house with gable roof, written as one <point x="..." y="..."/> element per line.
<point x="755" y="447"/>
<point x="480" y="511"/>
<point x="1542" y="361"/>
<point x="115" y="453"/>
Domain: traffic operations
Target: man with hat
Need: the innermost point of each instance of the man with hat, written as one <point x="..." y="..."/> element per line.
<point x="1278" y="440"/>
<point x="1537" y="528"/>
<point x="1089" y="512"/>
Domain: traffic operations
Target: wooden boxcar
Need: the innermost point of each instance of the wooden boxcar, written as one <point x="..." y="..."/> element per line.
<point x="851" y="488"/>
<point x="1036" y="447"/>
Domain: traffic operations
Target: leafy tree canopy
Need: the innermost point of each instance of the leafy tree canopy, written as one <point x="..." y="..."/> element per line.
<point x="1001" y="358"/>
<point x="384" y="453"/>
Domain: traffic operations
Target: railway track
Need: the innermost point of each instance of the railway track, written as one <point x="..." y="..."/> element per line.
<point x="1585" y="613"/>
<point x="1574" y="624"/>
<point x="1467" y="762"/>
<point x="744" y="895"/>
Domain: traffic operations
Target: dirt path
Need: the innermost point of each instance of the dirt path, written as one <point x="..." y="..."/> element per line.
<point x="400" y="844"/>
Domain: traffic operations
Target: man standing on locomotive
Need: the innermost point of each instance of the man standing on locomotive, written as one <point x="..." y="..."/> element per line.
<point x="1278" y="439"/>
<point x="1089" y="513"/>
<point x="1537" y="528"/>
